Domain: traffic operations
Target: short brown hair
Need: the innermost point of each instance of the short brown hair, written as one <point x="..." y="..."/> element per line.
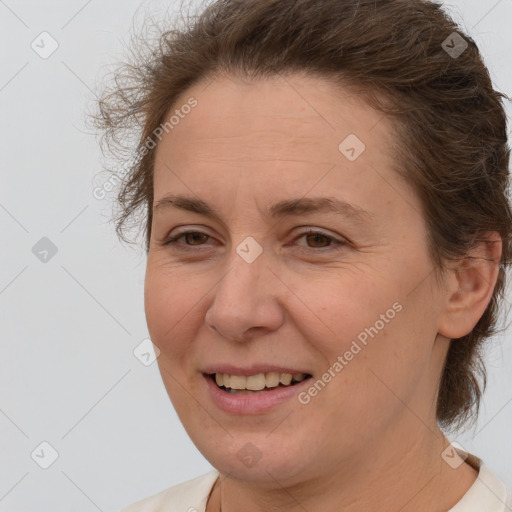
<point x="451" y="134"/>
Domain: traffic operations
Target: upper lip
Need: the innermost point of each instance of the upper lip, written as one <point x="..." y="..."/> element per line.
<point x="251" y="370"/>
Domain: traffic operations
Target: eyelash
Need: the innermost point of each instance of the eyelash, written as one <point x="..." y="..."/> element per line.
<point x="335" y="244"/>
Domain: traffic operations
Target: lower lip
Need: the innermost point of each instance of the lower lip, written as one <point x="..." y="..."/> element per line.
<point x="253" y="403"/>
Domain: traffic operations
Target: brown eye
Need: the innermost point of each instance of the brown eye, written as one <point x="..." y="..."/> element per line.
<point x="191" y="239"/>
<point x="195" y="238"/>
<point x="318" y="239"/>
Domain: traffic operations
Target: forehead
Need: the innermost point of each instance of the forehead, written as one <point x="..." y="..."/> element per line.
<point x="297" y="116"/>
<point x="271" y="139"/>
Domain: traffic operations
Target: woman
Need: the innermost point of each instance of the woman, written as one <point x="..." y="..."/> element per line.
<point x="327" y="231"/>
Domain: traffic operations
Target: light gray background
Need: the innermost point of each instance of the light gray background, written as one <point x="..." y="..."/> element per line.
<point x="68" y="375"/>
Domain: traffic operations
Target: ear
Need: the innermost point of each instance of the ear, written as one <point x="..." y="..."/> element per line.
<point x="470" y="286"/>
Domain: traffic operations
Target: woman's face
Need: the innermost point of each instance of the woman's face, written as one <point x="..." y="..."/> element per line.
<point x="249" y="291"/>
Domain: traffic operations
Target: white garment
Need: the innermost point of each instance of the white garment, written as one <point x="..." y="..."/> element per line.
<point x="487" y="494"/>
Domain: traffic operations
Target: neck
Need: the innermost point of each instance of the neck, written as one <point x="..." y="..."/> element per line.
<point x="419" y="481"/>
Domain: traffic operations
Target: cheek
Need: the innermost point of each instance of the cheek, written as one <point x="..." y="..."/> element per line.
<point x="375" y="327"/>
<point x="171" y="307"/>
<point x="385" y="367"/>
<point x="340" y="308"/>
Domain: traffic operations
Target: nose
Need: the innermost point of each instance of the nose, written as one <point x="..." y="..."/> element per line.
<point x="246" y="303"/>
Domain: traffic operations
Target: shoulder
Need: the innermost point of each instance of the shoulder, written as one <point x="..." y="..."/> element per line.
<point x="189" y="496"/>
<point x="487" y="493"/>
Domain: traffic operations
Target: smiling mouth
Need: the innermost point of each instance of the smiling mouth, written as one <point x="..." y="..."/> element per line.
<point x="260" y="383"/>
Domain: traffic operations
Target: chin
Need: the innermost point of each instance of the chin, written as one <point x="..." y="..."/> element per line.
<point x="273" y="463"/>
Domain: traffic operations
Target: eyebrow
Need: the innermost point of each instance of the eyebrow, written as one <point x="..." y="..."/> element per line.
<point x="285" y="208"/>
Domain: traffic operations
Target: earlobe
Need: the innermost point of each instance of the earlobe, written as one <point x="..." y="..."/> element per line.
<point x="471" y="286"/>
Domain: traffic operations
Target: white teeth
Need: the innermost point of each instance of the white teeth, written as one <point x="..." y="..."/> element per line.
<point x="236" y="382"/>
<point x="285" y="378"/>
<point x="272" y="380"/>
<point x="257" y="382"/>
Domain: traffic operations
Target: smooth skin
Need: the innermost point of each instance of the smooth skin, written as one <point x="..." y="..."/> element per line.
<point x="369" y="440"/>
